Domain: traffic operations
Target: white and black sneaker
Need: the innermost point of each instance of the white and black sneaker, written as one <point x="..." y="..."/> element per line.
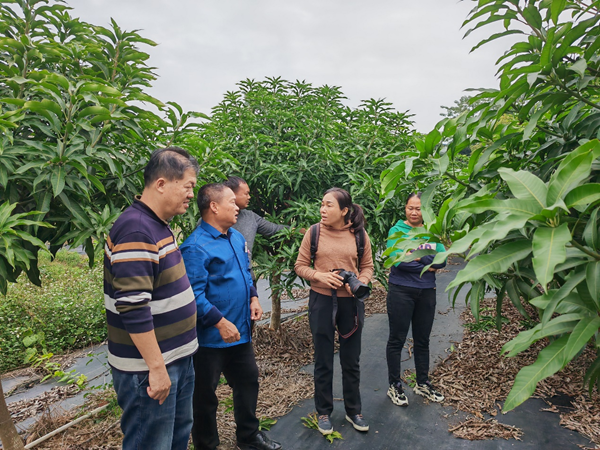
<point x="429" y="392"/>
<point x="397" y="395"/>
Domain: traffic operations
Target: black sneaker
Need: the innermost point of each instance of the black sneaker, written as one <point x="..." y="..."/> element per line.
<point x="429" y="392"/>
<point x="358" y="422"/>
<point x="324" y="425"/>
<point x="260" y="442"/>
<point x="396" y="394"/>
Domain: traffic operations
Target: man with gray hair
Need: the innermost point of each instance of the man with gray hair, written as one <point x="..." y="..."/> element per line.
<point x="150" y="309"/>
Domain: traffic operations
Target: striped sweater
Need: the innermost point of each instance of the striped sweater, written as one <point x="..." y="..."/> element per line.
<point x="146" y="288"/>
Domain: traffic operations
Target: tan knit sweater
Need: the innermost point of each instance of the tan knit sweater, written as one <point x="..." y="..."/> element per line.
<point x="336" y="250"/>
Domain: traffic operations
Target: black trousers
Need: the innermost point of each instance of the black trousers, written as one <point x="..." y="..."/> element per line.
<point x="406" y="305"/>
<point x="320" y="315"/>
<point x="238" y="365"/>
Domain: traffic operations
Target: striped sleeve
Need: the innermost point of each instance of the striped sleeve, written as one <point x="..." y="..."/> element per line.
<point x="133" y="265"/>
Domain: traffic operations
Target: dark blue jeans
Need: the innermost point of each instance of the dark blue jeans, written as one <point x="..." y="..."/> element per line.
<point x="145" y="423"/>
<point x="406" y="305"/>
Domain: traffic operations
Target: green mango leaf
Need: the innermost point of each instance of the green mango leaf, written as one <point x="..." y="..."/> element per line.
<point x="528" y="208"/>
<point x="426" y="201"/>
<point x="95" y="110"/>
<point x="556" y="297"/>
<point x="96" y="87"/>
<point x="556" y="8"/>
<point x="573" y="173"/>
<point x="549" y="361"/>
<point x="475" y="296"/>
<point x="583" y="332"/>
<point x="592" y="375"/>
<point x="498" y="261"/>
<point x="579" y="67"/>
<point x="590" y="234"/>
<point x="512" y="291"/>
<point x="565" y="323"/>
<point x="593" y="281"/>
<point x="583" y="195"/>
<point x="524" y="185"/>
<point x="549" y="249"/>
<point x="57" y="180"/>
<point x="498" y="230"/>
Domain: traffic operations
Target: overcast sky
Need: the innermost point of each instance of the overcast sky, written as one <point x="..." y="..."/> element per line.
<point x="409" y="52"/>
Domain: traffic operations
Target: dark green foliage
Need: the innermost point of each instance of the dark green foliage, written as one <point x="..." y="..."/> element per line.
<point x="524" y="210"/>
<point x="74" y="136"/>
<point x="292" y="142"/>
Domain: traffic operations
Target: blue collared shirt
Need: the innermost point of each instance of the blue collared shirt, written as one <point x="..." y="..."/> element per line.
<point x="218" y="268"/>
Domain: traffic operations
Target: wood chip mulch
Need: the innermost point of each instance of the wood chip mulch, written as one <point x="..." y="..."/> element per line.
<point x="24" y="409"/>
<point x="475" y="428"/>
<point x="475" y="377"/>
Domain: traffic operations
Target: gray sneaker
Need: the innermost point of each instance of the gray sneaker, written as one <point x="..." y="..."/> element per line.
<point x="324" y="425"/>
<point x="358" y="422"/>
<point x="397" y="395"/>
<point x="429" y="392"/>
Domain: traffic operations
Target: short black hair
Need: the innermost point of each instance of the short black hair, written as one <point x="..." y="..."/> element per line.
<point x="234" y="182"/>
<point x="211" y="192"/>
<point x="413" y="194"/>
<point x="170" y="163"/>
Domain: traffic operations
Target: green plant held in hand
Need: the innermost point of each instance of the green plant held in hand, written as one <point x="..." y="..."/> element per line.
<point x="312" y="422"/>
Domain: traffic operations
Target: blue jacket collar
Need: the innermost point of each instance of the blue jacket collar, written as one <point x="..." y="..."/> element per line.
<point x="213" y="231"/>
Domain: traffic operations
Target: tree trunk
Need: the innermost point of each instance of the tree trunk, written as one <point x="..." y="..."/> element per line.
<point x="275" y="303"/>
<point x="8" y="433"/>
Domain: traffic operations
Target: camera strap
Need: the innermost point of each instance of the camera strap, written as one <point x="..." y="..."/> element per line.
<point x="335" y="312"/>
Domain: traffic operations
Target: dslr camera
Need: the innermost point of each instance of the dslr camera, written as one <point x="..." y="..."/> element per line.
<point x="360" y="290"/>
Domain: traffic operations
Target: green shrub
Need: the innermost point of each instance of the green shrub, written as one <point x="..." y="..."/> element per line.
<point x="68" y="309"/>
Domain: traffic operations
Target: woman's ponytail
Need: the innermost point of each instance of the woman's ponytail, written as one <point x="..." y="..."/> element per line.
<point x="357" y="217"/>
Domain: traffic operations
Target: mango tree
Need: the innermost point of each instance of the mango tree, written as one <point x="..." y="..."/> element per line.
<point x="293" y="141"/>
<point x="75" y="136"/>
<point x="524" y="211"/>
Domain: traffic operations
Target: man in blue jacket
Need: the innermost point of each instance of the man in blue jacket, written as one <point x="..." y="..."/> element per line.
<point x="216" y="260"/>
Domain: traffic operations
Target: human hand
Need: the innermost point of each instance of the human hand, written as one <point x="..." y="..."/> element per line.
<point x="330" y="279"/>
<point x="256" y="310"/>
<point x="431" y="269"/>
<point x="348" y="290"/>
<point x="229" y="332"/>
<point x="160" y="384"/>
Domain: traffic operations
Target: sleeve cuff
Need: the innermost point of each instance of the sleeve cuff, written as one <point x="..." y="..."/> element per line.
<point x="253" y="291"/>
<point x="211" y="318"/>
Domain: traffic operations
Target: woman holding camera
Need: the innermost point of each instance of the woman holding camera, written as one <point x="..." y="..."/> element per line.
<point x="341" y="239"/>
<point x="411" y="298"/>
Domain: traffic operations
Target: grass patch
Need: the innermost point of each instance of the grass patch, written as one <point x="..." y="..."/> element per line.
<point x="68" y="309"/>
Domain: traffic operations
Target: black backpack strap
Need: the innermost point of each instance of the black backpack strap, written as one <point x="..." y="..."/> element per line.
<point x="360" y="245"/>
<point x="315" y="231"/>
